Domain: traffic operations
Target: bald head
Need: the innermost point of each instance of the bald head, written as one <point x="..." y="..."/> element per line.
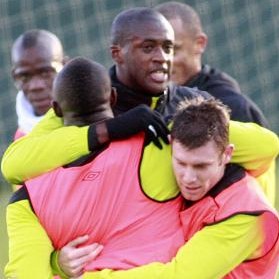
<point x="129" y="22"/>
<point x="176" y="10"/>
<point x="82" y="90"/>
<point x="37" y="38"/>
<point x="190" y="40"/>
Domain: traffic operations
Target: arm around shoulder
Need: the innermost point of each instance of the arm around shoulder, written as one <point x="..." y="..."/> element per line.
<point x="255" y="147"/>
<point x="48" y="146"/>
<point x="210" y="253"/>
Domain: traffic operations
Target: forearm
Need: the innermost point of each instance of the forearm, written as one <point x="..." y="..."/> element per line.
<point x="29" y="245"/>
<point x="209" y="254"/>
<point x="255" y="146"/>
<point x="47" y="146"/>
<point x="50" y="145"/>
<point x="34" y="155"/>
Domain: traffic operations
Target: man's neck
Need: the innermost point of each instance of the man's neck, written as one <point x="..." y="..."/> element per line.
<point x="86" y="120"/>
<point x="128" y="98"/>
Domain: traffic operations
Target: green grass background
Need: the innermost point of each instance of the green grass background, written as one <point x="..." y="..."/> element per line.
<point x="5" y="193"/>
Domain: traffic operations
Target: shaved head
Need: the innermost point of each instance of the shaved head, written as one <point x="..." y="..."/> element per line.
<point x="127" y="23"/>
<point x="82" y="88"/>
<point x="188" y="16"/>
<point x="37" y="38"/>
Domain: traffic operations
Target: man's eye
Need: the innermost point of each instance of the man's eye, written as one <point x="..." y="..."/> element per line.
<point x="201" y="167"/>
<point x="22" y="77"/>
<point x="147" y="49"/>
<point x="168" y="48"/>
<point x="45" y="73"/>
<point x="176" y="47"/>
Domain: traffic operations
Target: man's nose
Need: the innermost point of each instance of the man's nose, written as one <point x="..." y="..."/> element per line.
<point x="36" y="82"/>
<point x="161" y="55"/>
<point x="189" y="176"/>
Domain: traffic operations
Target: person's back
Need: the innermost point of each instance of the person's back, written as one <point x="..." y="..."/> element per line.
<point x="188" y="70"/>
<point x="36" y="57"/>
<point x="104" y="199"/>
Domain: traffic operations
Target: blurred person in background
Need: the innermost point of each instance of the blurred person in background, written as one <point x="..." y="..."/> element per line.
<point x="37" y="56"/>
<point x="189" y="70"/>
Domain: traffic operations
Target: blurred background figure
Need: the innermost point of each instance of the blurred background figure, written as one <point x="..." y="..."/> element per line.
<point x="188" y="69"/>
<point x="36" y="56"/>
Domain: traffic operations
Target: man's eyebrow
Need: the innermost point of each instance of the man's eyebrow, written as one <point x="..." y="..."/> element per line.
<point x="169" y="42"/>
<point x="151" y="40"/>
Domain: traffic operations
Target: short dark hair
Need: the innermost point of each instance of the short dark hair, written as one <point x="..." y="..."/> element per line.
<point x="82" y="86"/>
<point x="199" y="121"/>
<point x="124" y="25"/>
<point x="38" y="38"/>
<point x="176" y="10"/>
<point x="33" y="37"/>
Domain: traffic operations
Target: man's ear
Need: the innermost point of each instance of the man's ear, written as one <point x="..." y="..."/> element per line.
<point x="228" y="153"/>
<point x="116" y="54"/>
<point x="113" y="97"/>
<point x="65" y="59"/>
<point x="170" y="138"/>
<point x="201" y="43"/>
<point x="57" y="109"/>
<point x="13" y="76"/>
<point x="13" y="73"/>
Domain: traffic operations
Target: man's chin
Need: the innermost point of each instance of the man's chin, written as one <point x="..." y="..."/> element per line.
<point x="157" y="89"/>
<point x="41" y="111"/>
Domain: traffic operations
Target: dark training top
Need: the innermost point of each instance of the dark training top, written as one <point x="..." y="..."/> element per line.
<point x="166" y="102"/>
<point x="226" y="89"/>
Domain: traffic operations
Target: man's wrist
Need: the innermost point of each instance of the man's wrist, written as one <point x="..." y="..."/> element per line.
<point x="97" y="136"/>
<point x="102" y="133"/>
<point x="56" y="269"/>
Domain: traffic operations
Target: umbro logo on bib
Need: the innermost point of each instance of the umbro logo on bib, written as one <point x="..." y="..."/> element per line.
<point x="90" y="176"/>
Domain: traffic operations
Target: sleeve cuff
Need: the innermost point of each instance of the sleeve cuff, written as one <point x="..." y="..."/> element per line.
<point x="56" y="270"/>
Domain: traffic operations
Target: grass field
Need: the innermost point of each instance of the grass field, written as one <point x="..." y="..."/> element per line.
<point x="5" y="193"/>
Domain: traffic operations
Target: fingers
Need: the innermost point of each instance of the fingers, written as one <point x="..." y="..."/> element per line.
<point x="89" y="253"/>
<point x="77" y="241"/>
<point x="85" y="250"/>
<point x="82" y="258"/>
<point x="98" y="249"/>
<point x="72" y="259"/>
<point x="151" y="137"/>
<point x="155" y="128"/>
<point x="159" y="119"/>
<point x="161" y="130"/>
<point x="157" y="143"/>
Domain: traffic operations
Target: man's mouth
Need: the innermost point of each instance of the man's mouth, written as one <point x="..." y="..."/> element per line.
<point x="42" y="102"/>
<point x="192" y="190"/>
<point x="159" y="76"/>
